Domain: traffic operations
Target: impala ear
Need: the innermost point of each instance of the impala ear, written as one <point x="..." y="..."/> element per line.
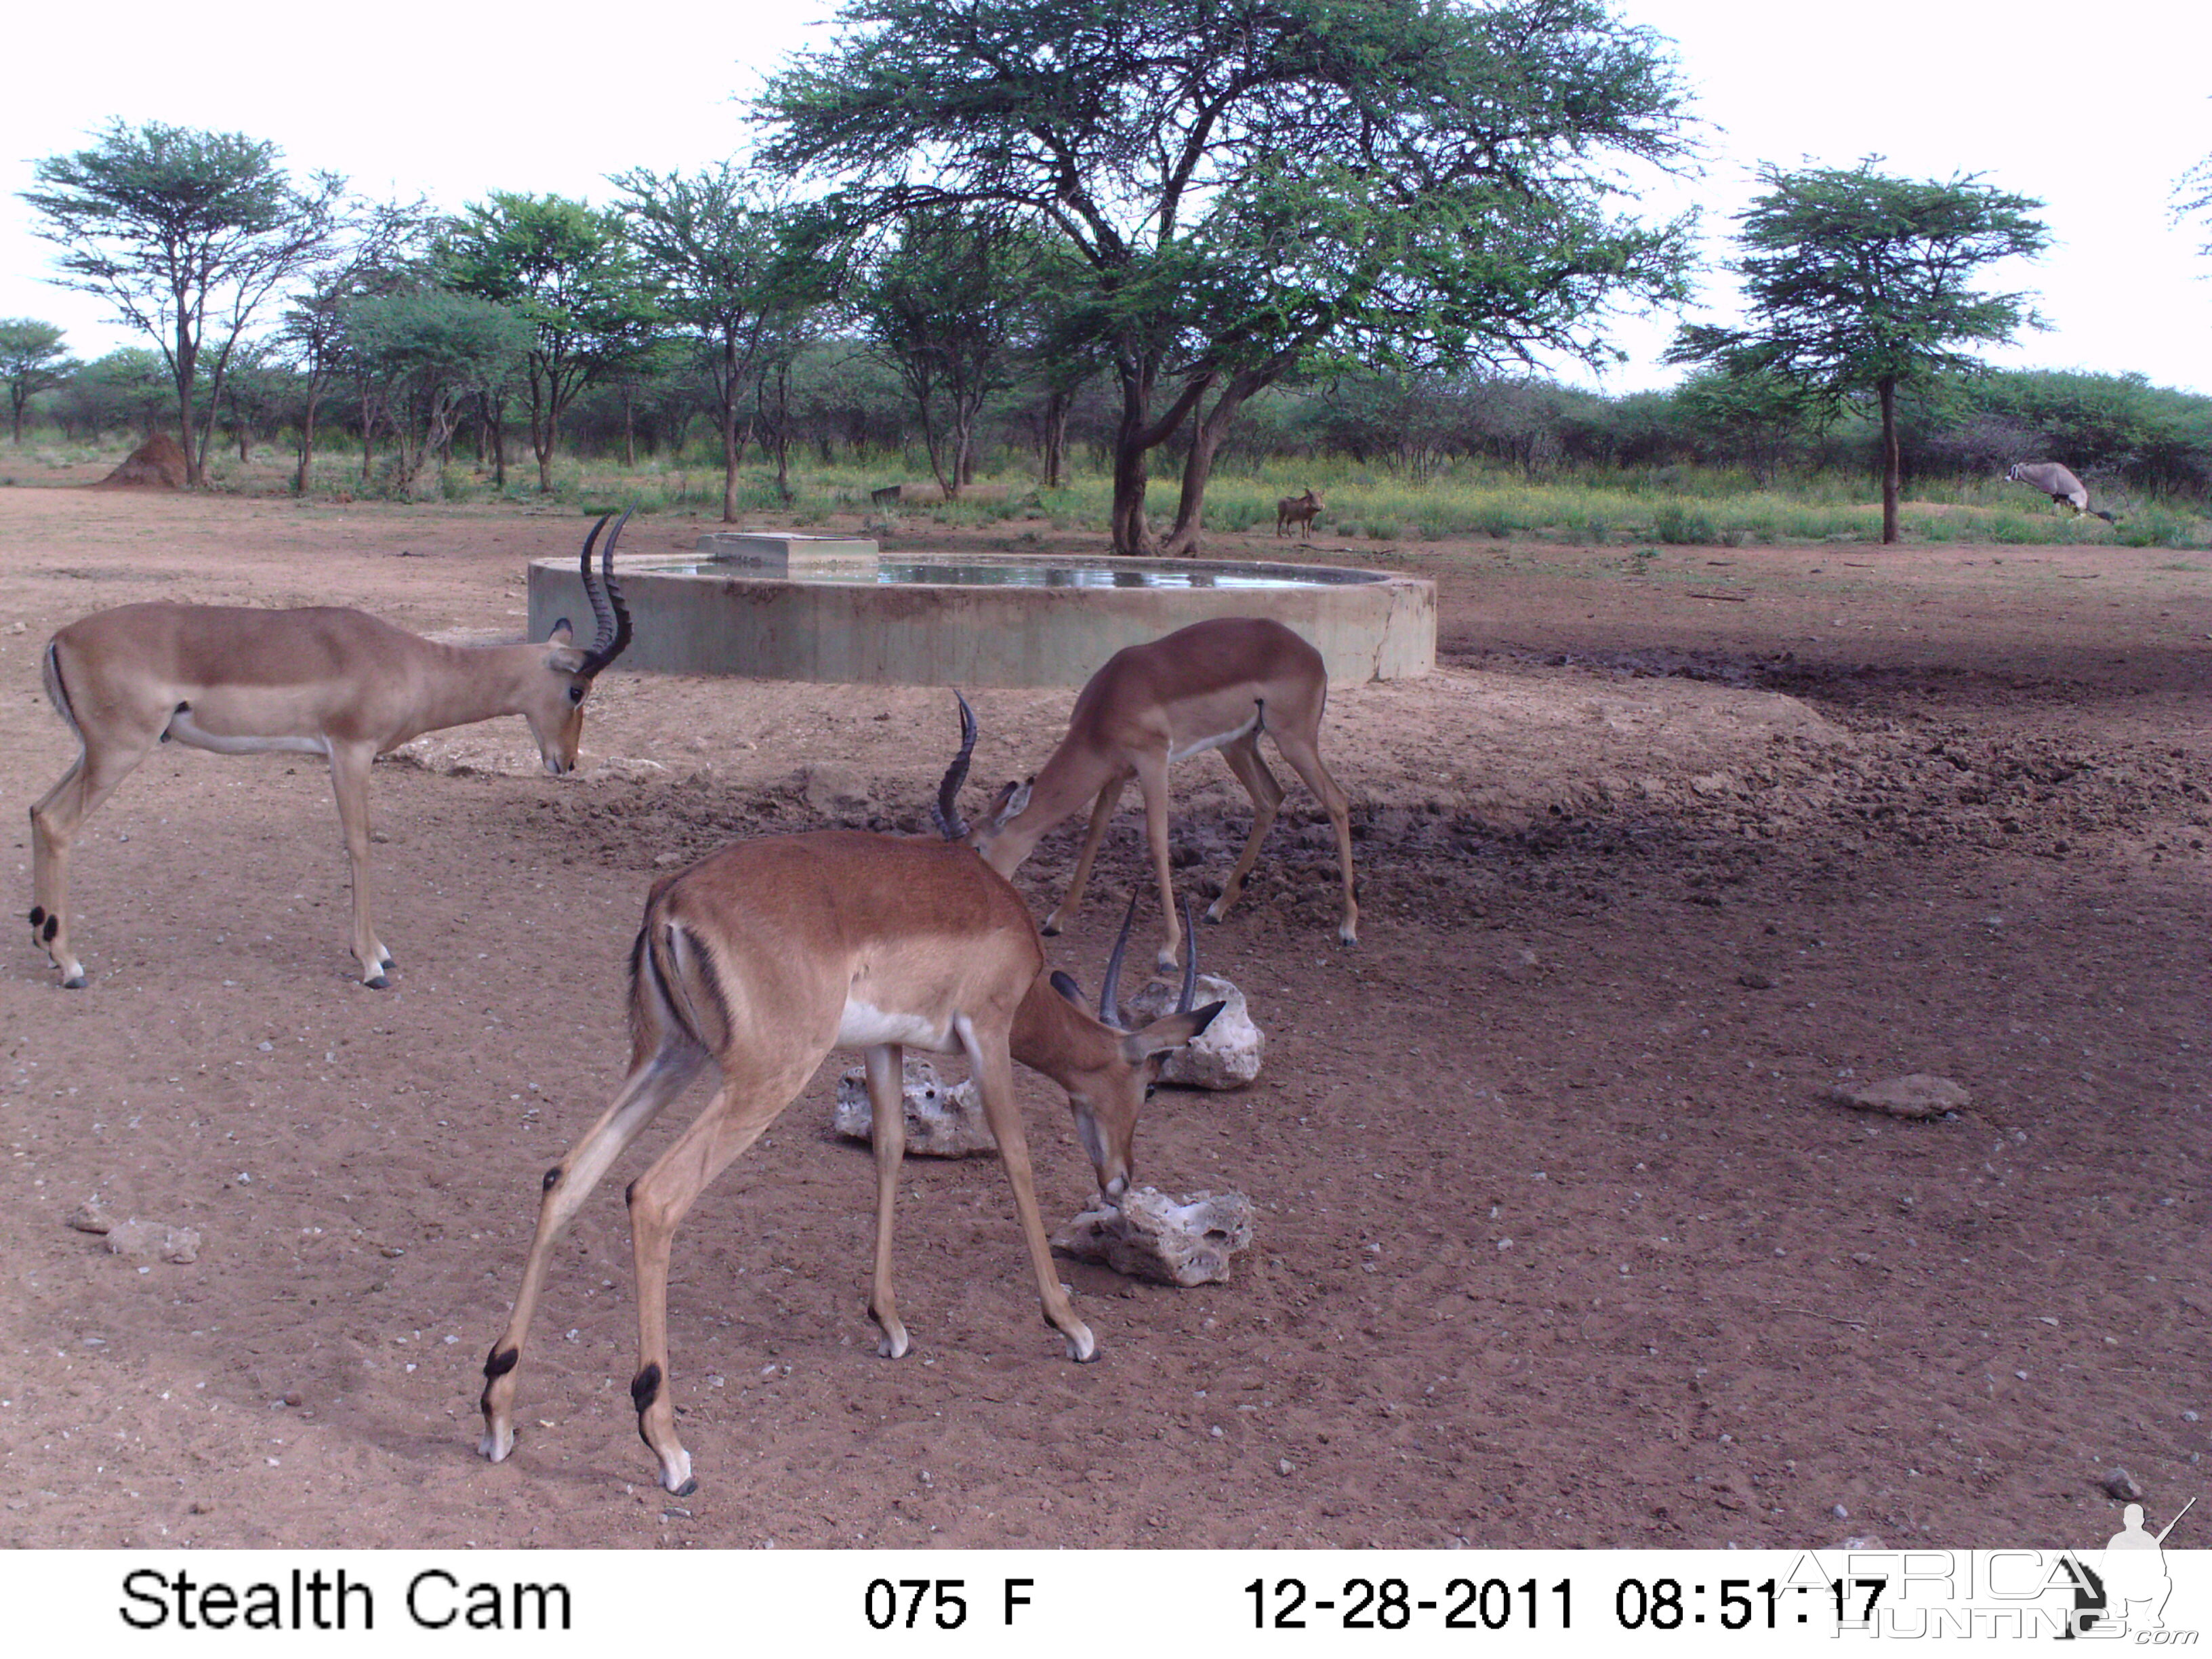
<point x="1013" y="800"/>
<point x="1167" y="1033"/>
<point x="561" y="633"/>
<point x="562" y="658"/>
<point x="1064" y="984"/>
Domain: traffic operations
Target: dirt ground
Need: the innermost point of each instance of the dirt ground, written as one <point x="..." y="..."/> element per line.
<point x="1560" y="1240"/>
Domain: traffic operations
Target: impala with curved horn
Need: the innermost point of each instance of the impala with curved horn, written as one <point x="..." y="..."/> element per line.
<point x="320" y="680"/>
<point x="766" y="956"/>
<point x="1215" y="684"/>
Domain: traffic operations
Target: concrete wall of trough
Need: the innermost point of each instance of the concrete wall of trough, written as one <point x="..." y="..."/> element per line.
<point x="926" y="633"/>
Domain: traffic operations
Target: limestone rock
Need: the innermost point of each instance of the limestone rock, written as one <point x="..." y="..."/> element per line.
<point x="835" y="792"/>
<point x="1921" y="1094"/>
<point x="88" y="1217"/>
<point x="1226" y="1054"/>
<point x="145" y="1240"/>
<point x="942" y="1121"/>
<point x="1187" y="1241"/>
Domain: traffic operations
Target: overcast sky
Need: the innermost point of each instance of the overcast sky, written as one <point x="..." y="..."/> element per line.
<point x="2093" y="110"/>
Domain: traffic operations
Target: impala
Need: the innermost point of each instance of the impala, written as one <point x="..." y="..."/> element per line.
<point x="766" y="956"/>
<point x="320" y="681"/>
<point x="1215" y="684"/>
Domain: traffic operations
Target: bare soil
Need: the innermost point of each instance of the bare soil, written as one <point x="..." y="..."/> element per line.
<point x="1561" y="1240"/>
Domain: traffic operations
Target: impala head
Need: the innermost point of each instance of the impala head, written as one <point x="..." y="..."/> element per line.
<point x="1106" y="1096"/>
<point x="556" y="713"/>
<point x="1008" y="806"/>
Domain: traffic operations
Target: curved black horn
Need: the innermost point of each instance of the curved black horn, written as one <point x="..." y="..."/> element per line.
<point x="606" y="601"/>
<point x="604" y="619"/>
<point x="946" y="808"/>
<point x="1109" y="1002"/>
<point x="1189" y="960"/>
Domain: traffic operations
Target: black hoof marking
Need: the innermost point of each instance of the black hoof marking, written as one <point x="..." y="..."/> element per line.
<point x="379" y="983"/>
<point x="686" y="1488"/>
<point x="646" y="1388"/>
<point x="76" y="984"/>
<point x="1050" y="930"/>
<point x="501" y="1362"/>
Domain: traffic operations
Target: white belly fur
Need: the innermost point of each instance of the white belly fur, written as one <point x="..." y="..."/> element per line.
<point x="1215" y="742"/>
<point x="182" y="728"/>
<point x="862" y="1026"/>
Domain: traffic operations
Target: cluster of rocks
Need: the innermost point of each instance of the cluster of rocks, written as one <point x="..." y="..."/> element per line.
<point x="142" y="1241"/>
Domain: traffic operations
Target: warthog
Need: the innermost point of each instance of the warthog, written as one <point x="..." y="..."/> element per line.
<point x="1300" y="510"/>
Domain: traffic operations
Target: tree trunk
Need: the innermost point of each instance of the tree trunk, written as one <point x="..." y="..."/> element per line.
<point x="1889" y="460"/>
<point x="1055" y="436"/>
<point x="186" y="367"/>
<point x="629" y="430"/>
<point x="1205" y="438"/>
<point x="304" y="477"/>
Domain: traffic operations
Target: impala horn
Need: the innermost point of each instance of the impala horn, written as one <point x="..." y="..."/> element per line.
<point x="1110" y="1000"/>
<point x="946" y="807"/>
<point x="1189" y="960"/>
<point x="605" y="595"/>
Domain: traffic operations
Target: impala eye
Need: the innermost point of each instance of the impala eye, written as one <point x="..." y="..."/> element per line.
<point x="575" y="694"/>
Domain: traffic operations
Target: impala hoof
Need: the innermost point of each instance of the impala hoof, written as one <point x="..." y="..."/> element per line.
<point x="1082" y="1346"/>
<point x="893" y="1345"/>
<point x="1051" y="929"/>
<point x="74" y="982"/>
<point x="495" y="1444"/>
<point x="379" y="983"/>
<point x="690" y="1484"/>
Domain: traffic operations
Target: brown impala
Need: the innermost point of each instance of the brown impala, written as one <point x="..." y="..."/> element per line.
<point x="320" y="680"/>
<point x="1215" y="684"/>
<point x="766" y="956"/>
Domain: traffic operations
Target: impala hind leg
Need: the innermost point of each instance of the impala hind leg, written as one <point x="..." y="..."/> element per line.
<point x="1153" y="781"/>
<point x="746" y="1104"/>
<point x="649" y="1088"/>
<point x="1245" y="761"/>
<point x="55" y="821"/>
<point x="887" y="1132"/>
<point x="350" y="764"/>
<point x="1110" y="800"/>
<point x="1304" y="757"/>
<point x="995" y="1081"/>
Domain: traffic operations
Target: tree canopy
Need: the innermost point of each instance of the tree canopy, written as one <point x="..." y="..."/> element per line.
<point x="186" y="234"/>
<point x="1858" y="284"/>
<point x="1261" y="184"/>
<point x="32" y="359"/>
<point x="570" y="271"/>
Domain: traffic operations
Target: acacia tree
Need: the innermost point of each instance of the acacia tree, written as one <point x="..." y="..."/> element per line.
<point x="187" y="234"/>
<point x="382" y="252"/>
<point x="31" y="360"/>
<point x="1249" y="185"/>
<point x="571" y="272"/>
<point x="422" y="355"/>
<point x="946" y="306"/>
<point x="720" y="245"/>
<point x="1858" y="285"/>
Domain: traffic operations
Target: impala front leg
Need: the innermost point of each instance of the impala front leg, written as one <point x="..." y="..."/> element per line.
<point x="994" y="1080"/>
<point x="887" y="1132"/>
<point x="350" y="764"/>
<point x="1109" y="799"/>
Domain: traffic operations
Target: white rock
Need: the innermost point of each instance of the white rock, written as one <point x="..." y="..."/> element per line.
<point x="1922" y="1094"/>
<point x="1187" y="1240"/>
<point x="146" y="1239"/>
<point x="1226" y="1054"/>
<point x="941" y="1120"/>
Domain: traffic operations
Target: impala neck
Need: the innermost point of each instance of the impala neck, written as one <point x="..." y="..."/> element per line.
<point x="461" y="684"/>
<point x="1068" y="780"/>
<point x="1052" y="1035"/>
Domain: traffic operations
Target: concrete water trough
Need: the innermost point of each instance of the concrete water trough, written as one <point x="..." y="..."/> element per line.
<point x="835" y="609"/>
